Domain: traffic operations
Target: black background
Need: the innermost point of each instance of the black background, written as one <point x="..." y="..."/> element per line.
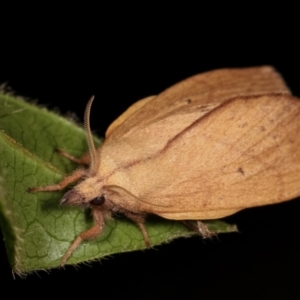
<point x="62" y="57"/>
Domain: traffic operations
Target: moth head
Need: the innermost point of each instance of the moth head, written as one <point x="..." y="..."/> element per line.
<point x="85" y="194"/>
<point x="88" y="191"/>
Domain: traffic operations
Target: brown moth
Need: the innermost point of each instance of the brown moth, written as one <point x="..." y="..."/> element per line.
<point x="205" y="148"/>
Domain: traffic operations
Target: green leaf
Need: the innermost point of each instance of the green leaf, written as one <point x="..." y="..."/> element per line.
<point x="37" y="231"/>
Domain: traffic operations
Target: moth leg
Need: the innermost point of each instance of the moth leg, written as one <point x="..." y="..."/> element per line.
<point x="83" y="160"/>
<point x="145" y="234"/>
<point x="200" y="228"/>
<point x="203" y="230"/>
<point x="140" y="220"/>
<point x="91" y="233"/>
<point x="75" y="176"/>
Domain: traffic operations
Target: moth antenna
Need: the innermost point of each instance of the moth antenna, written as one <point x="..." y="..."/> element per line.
<point x="89" y="138"/>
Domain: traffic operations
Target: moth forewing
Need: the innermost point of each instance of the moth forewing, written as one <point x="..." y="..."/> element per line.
<point x="216" y="86"/>
<point x="149" y="127"/>
<point x="237" y="156"/>
<point x="125" y="115"/>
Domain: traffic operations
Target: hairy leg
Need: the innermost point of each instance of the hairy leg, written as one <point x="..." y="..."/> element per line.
<point x="200" y="228"/>
<point x="83" y="160"/>
<point x="140" y="220"/>
<point x="91" y="233"/>
<point x="75" y="176"/>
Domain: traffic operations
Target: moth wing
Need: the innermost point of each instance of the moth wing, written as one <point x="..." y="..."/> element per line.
<point x="196" y="92"/>
<point x="244" y="153"/>
<point x="125" y="115"/>
<point x="147" y="126"/>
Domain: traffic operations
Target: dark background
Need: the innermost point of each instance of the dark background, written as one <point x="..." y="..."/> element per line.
<point x="62" y="57"/>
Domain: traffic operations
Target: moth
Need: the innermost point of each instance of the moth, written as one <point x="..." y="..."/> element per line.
<point x="205" y="148"/>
